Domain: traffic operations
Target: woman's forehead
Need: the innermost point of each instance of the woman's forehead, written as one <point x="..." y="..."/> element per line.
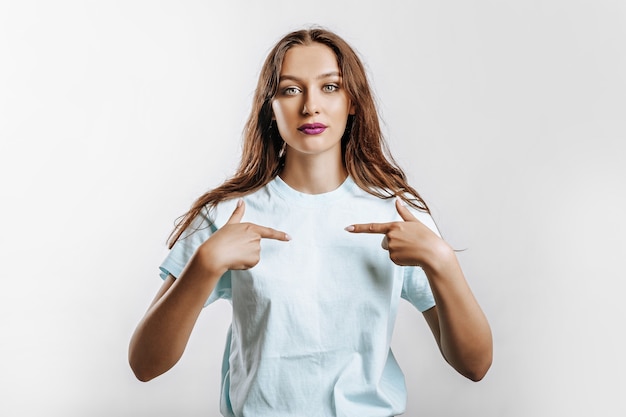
<point x="308" y="61"/>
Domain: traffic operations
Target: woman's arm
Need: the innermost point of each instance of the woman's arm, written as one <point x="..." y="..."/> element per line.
<point x="163" y="333"/>
<point x="457" y="321"/>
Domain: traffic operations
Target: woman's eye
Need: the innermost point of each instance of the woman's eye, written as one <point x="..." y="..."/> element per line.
<point x="291" y="91"/>
<point x="329" y="88"/>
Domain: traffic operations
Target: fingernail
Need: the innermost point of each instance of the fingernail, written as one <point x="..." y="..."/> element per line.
<point x="349" y="228"/>
<point x="239" y="202"/>
<point x="401" y="201"/>
<point x="287" y="237"/>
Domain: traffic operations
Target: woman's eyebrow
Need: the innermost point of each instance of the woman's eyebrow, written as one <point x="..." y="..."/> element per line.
<point x="284" y="77"/>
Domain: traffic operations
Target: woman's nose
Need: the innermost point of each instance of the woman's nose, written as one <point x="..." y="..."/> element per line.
<point x="311" y="105"/>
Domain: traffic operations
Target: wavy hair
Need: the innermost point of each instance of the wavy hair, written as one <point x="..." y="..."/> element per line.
<point x="365" y="152"/>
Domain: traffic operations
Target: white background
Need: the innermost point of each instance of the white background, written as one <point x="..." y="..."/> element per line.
<point x="508" y="116"/>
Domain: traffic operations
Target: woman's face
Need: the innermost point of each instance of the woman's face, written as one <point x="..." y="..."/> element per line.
<point x="311" y="107"/>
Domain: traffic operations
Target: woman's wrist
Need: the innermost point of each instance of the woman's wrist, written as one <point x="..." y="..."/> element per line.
<point x="440" y="258"/>
<point x="205" y="263"/>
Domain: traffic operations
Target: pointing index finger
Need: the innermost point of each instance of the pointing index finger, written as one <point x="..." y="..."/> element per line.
<point x="378" y="228"/>
<point x="269" y="233"/>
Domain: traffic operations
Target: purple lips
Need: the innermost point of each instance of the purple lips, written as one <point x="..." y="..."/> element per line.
<point x="312" y="128"/>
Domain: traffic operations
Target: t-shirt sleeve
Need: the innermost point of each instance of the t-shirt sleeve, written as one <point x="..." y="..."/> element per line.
<point x="182" y="251"/>
<point x="416" y="288"/>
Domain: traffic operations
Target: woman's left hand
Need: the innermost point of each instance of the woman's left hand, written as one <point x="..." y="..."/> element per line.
<point x="457" y="321"/>
<point x="409" y="242"/>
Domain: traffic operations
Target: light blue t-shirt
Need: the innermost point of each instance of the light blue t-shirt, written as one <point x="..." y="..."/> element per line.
<point x="312" y="321"/>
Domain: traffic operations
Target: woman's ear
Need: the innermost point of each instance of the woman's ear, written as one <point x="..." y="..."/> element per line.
<point x="352" y="111"/>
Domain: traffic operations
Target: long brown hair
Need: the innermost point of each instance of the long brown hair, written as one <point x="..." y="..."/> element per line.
<point x="365" y="153"/>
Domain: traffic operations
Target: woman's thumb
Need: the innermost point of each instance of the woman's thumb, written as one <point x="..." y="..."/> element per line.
<point x="237" y="213"/>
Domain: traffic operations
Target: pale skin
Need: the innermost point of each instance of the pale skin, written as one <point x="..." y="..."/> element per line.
<point x="310" y="91"/>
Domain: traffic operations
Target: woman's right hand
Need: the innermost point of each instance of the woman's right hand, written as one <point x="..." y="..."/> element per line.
<point x="161" y="336"/>
<point x="236" y="245"/>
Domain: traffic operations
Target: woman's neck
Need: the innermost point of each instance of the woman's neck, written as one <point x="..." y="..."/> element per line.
<point x="313" y="175"/>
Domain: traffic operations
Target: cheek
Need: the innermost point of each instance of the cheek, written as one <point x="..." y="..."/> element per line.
<point x="280" y="112"/>
<point x="342" y="106"/>
<point x="279" y="116"/>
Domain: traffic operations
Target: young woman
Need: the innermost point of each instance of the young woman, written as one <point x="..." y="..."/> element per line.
<point x="293" y="241"/>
